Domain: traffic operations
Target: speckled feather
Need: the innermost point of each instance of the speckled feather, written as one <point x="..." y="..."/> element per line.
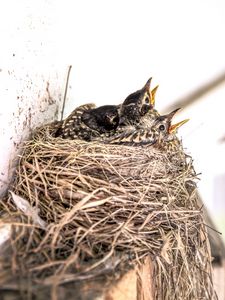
<point x="88" y="122"/>
<point x="73" y="127"/>
<point x="157" y="133"/>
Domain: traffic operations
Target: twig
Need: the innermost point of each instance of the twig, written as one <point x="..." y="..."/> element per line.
<point x="65" y="92"/>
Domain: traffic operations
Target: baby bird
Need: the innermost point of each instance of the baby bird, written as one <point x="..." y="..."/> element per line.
<point x="103" y="119"/>
<point x="161" y="131"/>
<point x="136" y="105"/>
<point x="148" y="119"/>
<point x="72" y="127"/>
<point x="87" y="122"/>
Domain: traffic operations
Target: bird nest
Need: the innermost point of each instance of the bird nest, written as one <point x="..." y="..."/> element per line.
<point x="100" y="209"/>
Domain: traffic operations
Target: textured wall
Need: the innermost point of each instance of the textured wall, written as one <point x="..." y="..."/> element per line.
<point x="28" y="99"/>
<point x="31" y="80"/>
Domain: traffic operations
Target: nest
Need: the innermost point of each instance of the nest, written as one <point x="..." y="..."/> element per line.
<point x="104" y="209"/>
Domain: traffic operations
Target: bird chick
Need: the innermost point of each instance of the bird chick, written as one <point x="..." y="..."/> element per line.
<point x="72" y="127"/>
<point x="161" y="131"/>
<point x="87" y="122"/>
<point x="147" y="120"/>
<point x="136" y="105"/>
<point x="103" y="119"/>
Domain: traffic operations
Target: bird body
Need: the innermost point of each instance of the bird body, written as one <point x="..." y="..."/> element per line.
<point x="161" y="133"/>
<point x="103" y="119"/>
<point x="72" y="127"/>
<point x="87" y="122"/>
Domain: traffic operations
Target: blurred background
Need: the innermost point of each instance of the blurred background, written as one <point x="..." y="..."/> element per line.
<point x="114" y="47"/>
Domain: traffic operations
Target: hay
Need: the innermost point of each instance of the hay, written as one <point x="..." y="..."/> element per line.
<point x="107" y="208"/>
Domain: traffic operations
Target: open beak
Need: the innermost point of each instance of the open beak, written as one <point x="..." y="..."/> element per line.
<point x="173" y="128"/>
<point x="171" y="115"/>
<point x="152" y="98"/>
<point x="147" y="86"/>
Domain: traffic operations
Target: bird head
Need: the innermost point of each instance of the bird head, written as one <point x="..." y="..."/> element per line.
<point x="163" y="127"/>
<point x="146" y="99"/>
<point x="138" y="104"/>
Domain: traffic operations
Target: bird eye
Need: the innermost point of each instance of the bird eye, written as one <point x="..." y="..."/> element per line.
<point x="161" y="127"/>
<point x="146" y="100"/>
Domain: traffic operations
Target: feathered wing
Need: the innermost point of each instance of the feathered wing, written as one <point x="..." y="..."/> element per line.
<point x="132" y="136"/>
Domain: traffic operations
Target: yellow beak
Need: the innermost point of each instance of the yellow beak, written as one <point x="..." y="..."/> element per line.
<point x="147" y="86"/>
<point x="152" y="98"/>
<point x="173" y="128"/>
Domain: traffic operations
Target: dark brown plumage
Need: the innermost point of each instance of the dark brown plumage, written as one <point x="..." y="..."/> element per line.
<point x="161" y="133"/>
<point x="87" y="122"/>
<point x="136" y="105"/>
<point x="103" y="119"/>
<point x="72" y="126"/>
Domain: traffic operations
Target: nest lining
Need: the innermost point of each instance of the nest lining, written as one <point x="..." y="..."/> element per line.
<point x="109" y="207"/>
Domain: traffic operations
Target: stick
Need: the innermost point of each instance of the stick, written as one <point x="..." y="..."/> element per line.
<point x="65" y="92"/>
